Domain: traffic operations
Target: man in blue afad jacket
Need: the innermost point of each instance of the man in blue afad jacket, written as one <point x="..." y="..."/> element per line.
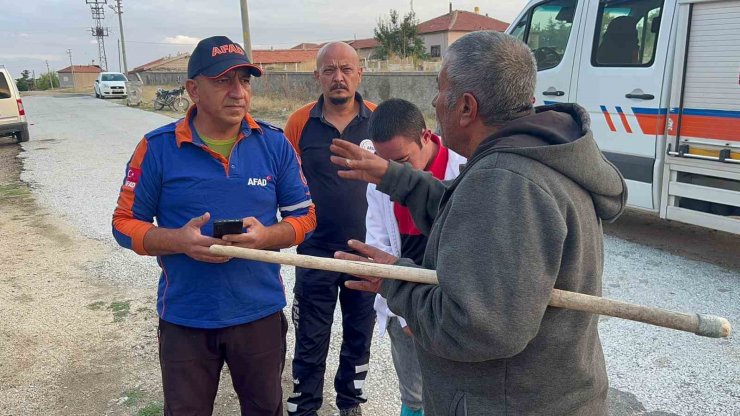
<point x="523" y="217"/>
<point x="216" y="163"/>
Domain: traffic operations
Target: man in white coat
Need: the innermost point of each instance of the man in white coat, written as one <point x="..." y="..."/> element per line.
<point x="399" y="133"/>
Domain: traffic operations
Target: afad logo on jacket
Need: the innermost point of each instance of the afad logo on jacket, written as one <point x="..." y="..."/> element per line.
<point x="259" y="181"/>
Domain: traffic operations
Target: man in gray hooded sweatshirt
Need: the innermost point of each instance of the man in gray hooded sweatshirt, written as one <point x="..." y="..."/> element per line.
<point x="523" y="217"/>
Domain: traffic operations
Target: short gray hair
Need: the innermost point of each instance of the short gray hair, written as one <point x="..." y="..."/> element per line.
<point x="498" y="69"/>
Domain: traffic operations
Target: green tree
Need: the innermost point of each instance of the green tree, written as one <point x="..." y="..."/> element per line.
<point x="24" y="82"/>
<point x="44" y="81"/>
<point x="399" y="37"/>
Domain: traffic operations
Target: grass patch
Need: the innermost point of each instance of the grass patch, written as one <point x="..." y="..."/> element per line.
<point x="96" y="306"/>
<point x="14" y="190"/>
<point x="151" y="409"/>
<point x="120" y="310"/>
<point x="132" y="397"/>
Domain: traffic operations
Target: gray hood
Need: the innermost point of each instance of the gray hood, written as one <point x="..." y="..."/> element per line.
<point x="560" y="137"/>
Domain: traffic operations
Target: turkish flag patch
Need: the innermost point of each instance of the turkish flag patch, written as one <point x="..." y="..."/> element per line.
<point x="132" y="177"/>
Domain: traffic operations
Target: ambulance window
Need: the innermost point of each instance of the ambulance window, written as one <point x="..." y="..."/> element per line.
<point x="546" y="29"/>
<point x="519" y="30"/>
<point x="627" y="32"/>
<point x="4" y="87"/>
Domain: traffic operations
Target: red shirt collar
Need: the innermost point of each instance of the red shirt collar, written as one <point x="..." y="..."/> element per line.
<point x="438" y="168"/>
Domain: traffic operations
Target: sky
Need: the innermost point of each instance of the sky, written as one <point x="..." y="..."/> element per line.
<point x="43" y="30"/>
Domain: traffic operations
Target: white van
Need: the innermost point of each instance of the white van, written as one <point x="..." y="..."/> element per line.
<point x="659" y="79"/>
<point x="12" y="115"/>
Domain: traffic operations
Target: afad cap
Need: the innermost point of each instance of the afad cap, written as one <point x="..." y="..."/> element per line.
<point x="217" y="55"/>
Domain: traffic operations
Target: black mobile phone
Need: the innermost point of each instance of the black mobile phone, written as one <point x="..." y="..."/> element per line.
<point x="223" y="227"/>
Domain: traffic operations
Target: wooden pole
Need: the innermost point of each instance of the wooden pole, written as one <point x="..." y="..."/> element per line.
<point x="699" y="324"/>
<point x="245" y="29"/>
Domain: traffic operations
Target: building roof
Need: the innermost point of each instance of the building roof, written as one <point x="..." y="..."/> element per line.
<point x="283" y="56"/>
<point x="178" y="62"/>
<point x="147" y="65"/>
<point x="364" y="43"/>
<point x="80" y="69"/>
<point x="461" y="21"/>
<point x="307" y="45"/>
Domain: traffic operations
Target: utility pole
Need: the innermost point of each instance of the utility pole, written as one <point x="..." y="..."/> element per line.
<point x="118" y="9"/>
<point x="51" y="79"/>
<point x="99" y="32"/>
<point x="245" y="30"/>
<point x="74" y="83"/>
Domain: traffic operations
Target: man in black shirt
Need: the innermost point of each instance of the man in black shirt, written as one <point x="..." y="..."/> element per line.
<point x="340" y="112"/>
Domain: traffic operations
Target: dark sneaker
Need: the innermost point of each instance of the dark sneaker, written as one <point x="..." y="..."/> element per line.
<point x="352" y="411"/>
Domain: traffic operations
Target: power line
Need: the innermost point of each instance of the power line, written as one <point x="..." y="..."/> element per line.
<point x="99" y="32"/>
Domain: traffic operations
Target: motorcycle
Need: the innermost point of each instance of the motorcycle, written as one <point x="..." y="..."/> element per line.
<point x="171" y="98"/>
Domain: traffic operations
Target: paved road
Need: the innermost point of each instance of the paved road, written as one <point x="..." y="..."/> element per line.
<point x="75" y="162"/>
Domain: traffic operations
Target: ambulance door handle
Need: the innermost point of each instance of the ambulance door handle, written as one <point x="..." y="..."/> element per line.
<point x="640" y="96"/>
<point x="555" y="93"/>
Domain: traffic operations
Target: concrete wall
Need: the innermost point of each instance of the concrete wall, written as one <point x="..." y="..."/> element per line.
<point x="160" y="78"/>
<point x="306" y="66"/>
<point x="83" y="80"/>
<point x="435" y="39"/>
<point x="417" y="87"/>
<point x="65" y="79"/>
<point x="453" y="36"/>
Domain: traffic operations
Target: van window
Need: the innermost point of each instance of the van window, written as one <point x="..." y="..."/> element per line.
<point x="4" y="87"/>
<point x="113" y="77"/>
<point x="626" y="32"/>
<point x="546" y="29"/>
<point x="519" y="29"/>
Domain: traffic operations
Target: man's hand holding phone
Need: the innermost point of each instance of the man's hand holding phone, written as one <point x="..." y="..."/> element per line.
<point x="224" y="227"/>
<point x="189" y="241"/>
<point x="257" y="236"/>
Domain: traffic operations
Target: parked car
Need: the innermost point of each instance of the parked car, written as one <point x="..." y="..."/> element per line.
<point x="12" y="115"/>
<point x="110" y="84"/>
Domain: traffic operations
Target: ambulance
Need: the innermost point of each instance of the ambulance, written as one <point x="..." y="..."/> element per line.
<point x="661" y="82"/>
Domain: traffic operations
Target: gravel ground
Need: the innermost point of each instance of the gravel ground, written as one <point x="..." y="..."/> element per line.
<point x="75" y="163"/>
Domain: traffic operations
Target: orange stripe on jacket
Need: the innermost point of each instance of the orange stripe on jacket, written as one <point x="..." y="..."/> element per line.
<point x="123" y="215"/>
<point x="302" y="225"/>
<point x="296" y="123"/>
<point x="298" y="120"/>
